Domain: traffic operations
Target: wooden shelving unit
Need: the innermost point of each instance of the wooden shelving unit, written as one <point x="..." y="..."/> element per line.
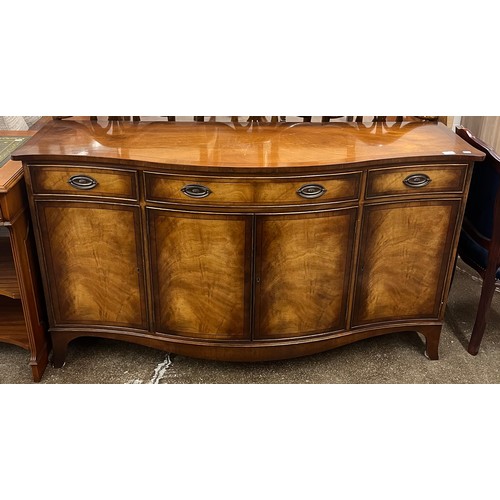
<point x="12" y="324"/>
<point x="22" y="310"/>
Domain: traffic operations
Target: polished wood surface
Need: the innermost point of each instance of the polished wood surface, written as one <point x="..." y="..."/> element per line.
<point x="201" y="274"/>
<point x="303" y="269"/>
<point x="94" y="258"/>
<point x="404" y="260"/>
<point x="281" y="145"/>
<point x="109" y="182"/>
<point x="391" y="181"/>
<point x="252" y="242"/>
<point x="251" y="191"/>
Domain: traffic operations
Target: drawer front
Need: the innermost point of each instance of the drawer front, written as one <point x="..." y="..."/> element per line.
<point x="205" y="190"/>
<point x="84" y="181"/>
<point x="415" y="180"/>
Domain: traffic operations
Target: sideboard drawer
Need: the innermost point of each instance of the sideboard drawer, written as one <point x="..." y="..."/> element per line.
<point x="84" y="181"/>
<point x="416" y="179"/>
<point x="255" y="191"/>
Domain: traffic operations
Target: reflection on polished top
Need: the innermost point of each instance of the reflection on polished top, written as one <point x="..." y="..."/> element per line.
<point x="245" y="145"/>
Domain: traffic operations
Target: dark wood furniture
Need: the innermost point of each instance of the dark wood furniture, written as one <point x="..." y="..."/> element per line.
<point x="22" y="312"/>
<point x="479" y="244"/>
<point x="246" y="243"/>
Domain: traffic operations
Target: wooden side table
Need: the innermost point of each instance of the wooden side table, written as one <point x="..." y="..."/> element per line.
<point x="22" y="309"/>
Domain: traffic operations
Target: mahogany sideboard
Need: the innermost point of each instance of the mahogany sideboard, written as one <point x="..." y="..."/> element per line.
<point x="22" y="311"/>
<point x="246" y="243"/>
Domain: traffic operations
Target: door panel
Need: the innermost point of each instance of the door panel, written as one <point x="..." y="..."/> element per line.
<point x="403" y="261"/>
<point x="302" y="273"/>
<point x="94" y="260"/>
<point x="201" y="267"/>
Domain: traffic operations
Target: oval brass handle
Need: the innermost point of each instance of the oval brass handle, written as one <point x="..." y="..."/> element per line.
<point x="196" y="191"/>
<point x="417" y="180"/>
<point x="82" y="182"/>
<point x="310" y="191"/>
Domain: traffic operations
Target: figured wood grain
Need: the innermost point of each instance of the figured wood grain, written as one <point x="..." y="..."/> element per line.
<point x="201" y="274"/>
<point x="54" y="179"/>
<point x="242" y="275"/>
<point x="303" y="269"/>
<point x="404" y="259"/>
<point x="94" y="260"/>
<point x="389" y="181"/>
<point x="281" y="191"/>
<point x="249" y="191"/>
<point x="281" y="146"/>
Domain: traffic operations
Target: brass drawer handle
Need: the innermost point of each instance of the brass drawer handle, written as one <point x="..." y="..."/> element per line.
<point x="196" y="191"/>
<point x="311" y="191"/>
<point x="417" y="180"/>
<point x="82" y="182"/>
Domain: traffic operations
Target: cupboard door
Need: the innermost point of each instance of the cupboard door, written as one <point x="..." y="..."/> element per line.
<point x="201" y="266"/>
<point x="302" y="273"/>
<point x="94" y="263"/>
<point x="404" y="258"/>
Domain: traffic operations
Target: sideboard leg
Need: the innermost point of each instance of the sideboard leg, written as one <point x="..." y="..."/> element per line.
<point x="59" y="350"/>
<point x="432" y="335"/>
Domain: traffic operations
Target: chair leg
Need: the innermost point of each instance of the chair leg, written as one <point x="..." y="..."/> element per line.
<point x="483" y="309"/>
<point x="454" y="269"/>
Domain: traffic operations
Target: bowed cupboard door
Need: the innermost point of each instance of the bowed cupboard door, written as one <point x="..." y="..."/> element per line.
<point x="201" y="274"/>
<point x="94" y="264"/>
<point x="303" y="266"/>
<point x="405" y="256"/>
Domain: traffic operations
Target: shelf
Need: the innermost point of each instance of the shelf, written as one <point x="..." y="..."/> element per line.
<point x="8" y="278"/>
<point x="12" y="323"/>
